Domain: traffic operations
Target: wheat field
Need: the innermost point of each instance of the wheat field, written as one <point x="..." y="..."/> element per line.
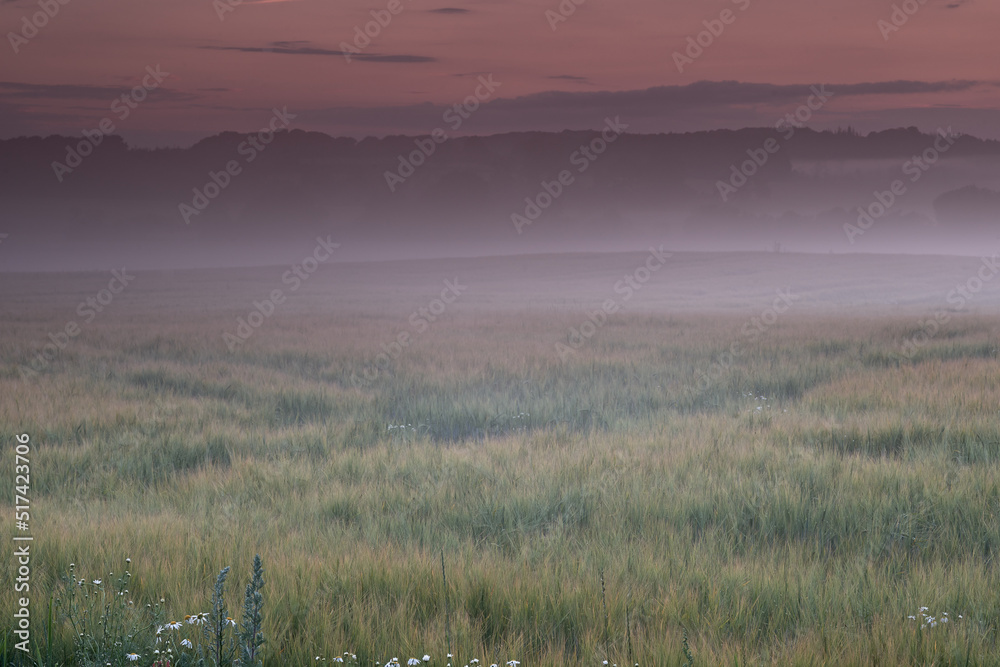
<point x="793" y="503"/>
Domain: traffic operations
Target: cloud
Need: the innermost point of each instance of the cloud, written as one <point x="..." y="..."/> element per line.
<point x="42" y="109"/>
<point x="909" y="87"/>
<point x="700" y="105"/>
<point x="13" y="90"/>
<point x="730" y="96"/>
<point x="570" y="77"/>
<point x="293" y="49"/>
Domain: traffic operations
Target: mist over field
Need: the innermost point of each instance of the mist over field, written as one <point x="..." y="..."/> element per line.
<point x="895" y="191"/>
<point x="548" y="333"/>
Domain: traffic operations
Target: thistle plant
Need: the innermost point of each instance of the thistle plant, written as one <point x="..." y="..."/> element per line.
<point x="686" y="648"/>
<point x="251" y="637"/>
<point x="222" y="645"/>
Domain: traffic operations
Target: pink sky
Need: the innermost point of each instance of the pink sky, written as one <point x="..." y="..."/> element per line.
<point x="225" y="74"/>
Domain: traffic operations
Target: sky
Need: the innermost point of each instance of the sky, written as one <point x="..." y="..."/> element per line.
<point x="226" y="64"/>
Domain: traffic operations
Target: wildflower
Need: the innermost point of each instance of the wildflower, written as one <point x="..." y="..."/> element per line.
<point x="97" y="582"/>
<point x="337" y="659"/>
<point x="131" y="657"/>
<point x="186" y="643"/>
<point x="412" y="662"/>
<point x="229" y="621"/>
<point x="427" y="658"/>
<point x="128" y="561"/>
<point x="513" y="663"/>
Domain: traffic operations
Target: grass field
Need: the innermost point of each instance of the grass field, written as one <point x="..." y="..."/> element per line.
<point x="794" y="506"/>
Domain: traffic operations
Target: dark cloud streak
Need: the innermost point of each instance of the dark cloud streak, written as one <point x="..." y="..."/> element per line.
<point x="14" y="90"/>
<point x="569" y="77"/>
<point x="286" y="48"/>
<point x="725" y="102"/>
